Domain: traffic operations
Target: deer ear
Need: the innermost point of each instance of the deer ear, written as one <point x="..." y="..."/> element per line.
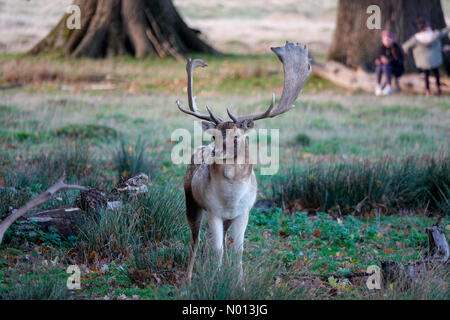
<point x="206" y="125"/>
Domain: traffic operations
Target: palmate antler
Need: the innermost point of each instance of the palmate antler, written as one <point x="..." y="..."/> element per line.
<point x="190" y="67"/>
<point x="296" y="71"/>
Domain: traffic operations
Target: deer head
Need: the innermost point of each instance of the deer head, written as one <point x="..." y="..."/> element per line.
<point x="297" y="68"/>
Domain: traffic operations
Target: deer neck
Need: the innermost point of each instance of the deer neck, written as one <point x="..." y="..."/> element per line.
<point x="231" y="172"/>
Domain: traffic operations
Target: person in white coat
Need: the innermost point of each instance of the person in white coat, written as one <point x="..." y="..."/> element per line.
<point x="427" y="51"/>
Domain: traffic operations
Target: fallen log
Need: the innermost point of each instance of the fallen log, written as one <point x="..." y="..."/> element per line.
<point x="65" y="219"/>
<point x="438" y="256"/>
<point x="361" y="80"/>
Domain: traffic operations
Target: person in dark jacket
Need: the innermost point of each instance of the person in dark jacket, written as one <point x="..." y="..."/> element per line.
<point x="389" y="63"/>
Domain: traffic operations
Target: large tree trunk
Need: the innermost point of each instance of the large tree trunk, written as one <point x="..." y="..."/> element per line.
<point x="356" y="45"/>
<point x="116" y="27"/>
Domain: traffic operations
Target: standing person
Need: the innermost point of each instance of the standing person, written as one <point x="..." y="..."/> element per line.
<point x="427" y="52"/>
<point x="389" y="62"/>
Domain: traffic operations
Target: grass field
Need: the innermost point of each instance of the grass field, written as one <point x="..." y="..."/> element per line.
<point x="360" y="179"/>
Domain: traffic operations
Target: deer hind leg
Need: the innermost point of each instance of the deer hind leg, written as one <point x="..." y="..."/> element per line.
<point x="237" y="233"/>
<point x="194" y="216"/>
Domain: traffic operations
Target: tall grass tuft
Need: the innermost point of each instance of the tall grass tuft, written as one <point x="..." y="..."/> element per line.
<point x="159" y="256"/>
<point x="109" y="234"/>
<point x="209" y="282"/>
<point x="144" y="228"/>
<point x="428" y="285"/>
<point x="411" y="184"/>
<point x="131" y="159"/>
<point x="162" y="214"/>
<point x="46" y="284"/>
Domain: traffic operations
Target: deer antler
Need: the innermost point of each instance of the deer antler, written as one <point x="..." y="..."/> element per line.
<point x="190" y="67"/>
<point x="296" y="71"/>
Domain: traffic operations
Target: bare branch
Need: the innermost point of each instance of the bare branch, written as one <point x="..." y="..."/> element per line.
<point x="43" y="197"/>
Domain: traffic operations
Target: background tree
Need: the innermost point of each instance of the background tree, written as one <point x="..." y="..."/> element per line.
<point x="357" y="46"/>
<point x="116" y="27"/>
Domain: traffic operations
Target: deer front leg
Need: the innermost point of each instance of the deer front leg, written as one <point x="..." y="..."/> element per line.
<point x="194" y="216"/>
<point x="216" y="236"/>
<point x="226" y="226"/>
<point x="237" y="233"/>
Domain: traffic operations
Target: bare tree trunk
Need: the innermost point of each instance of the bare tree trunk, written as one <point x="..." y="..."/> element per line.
<point x="116" y="27"/>
<point x="357" y="46"/>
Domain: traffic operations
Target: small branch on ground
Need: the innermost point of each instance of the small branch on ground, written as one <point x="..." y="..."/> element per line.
<point x="43" y="197"/>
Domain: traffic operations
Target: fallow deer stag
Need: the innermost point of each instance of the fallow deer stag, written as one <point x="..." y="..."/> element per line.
<point x="227" y="191"/>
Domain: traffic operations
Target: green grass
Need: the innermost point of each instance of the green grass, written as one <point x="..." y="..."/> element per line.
<point x="280" y="248"/>
<point x="346" y="148"/>
<point x="152" y="230"/>
<point x="41" y="283"/>
<point x="130" y="160"/>
<point x="387" y="185"/>
<point x="137" y="252"/>
<point x="89" y="131"/>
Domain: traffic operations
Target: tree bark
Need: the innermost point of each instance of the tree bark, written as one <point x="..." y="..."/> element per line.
<point x="355" y="45"/>
<point x="116" y="27"/>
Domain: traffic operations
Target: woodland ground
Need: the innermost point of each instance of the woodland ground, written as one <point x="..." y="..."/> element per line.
<point x="101" y="119"/>
<point x="360" y="177"/>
